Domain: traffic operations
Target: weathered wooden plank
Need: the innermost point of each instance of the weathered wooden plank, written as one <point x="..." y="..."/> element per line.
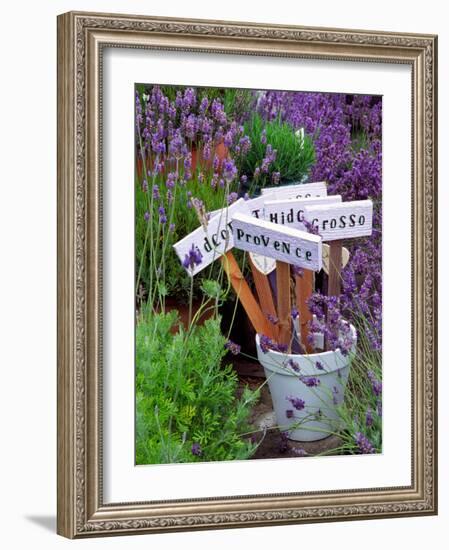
<point x="346" y="220"/>
<point x="213" y="241"/>
<point x="283" y="302"/>
<point x="264" y="294"/>
<point x="304" y="287"/>
<point x="290" y="212"/>
<point x="256" y="206"/>
<point x="335" y="261"/>
<point x="297" y="191"/>
<point x="344" y="257"/>
<point x="282" y="243"/>
<point x="244" y="294"/>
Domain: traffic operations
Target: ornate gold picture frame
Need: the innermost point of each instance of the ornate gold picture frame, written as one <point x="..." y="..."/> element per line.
<point x="82" y="39"/>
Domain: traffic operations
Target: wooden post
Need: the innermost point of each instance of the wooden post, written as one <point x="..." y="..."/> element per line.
<point x="283" y="302"/>
<point x="334" y="280"/>
<point x="244" y="294"/>
<point x="264" y="294"/>
<point x="304" y="289"/>
<point x="335" y="260"/>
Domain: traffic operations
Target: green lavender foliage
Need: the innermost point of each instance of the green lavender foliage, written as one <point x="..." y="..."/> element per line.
<point x="294" y="158"/>
<point x="360" y="399"/>
<point x="185" y="396"/>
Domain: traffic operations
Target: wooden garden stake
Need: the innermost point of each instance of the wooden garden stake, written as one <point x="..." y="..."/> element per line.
<point x="283" y="302"/>
<point x="287" y="246"/>
<point x="264" y="293"/>
<point x="335" y="261"/>
<point x="244" y="294"/>
<point x="287" y="211"/>
<point x="304" y="288"/>
<point x="346" y="220"/>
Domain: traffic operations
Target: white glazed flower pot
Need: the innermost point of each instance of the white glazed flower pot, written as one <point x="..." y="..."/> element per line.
<point x="315" y="415"/>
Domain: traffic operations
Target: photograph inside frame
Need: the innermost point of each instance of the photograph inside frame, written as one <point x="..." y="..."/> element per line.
<point x="258" y="274"/>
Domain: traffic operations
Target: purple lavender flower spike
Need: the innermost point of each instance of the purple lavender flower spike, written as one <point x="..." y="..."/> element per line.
<point x="233" y="347"/>
<point x="310" y="381"/>
<point x="196" y="449"/>
<point x="229" y="170"/>
<point x="193" y="258"/>
<point x="369" y="418"/>
<point x="232" y="197"/>
<point x="364" y="445"/>
<point x="296" y="402"/>
<point x="375" y="384"/>
<point x="293" y="365"/>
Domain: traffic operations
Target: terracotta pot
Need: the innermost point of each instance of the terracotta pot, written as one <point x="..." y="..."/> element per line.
<point x="199" y="161"/>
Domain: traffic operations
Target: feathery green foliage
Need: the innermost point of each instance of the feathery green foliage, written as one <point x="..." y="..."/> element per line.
<point x="186" y="399"/>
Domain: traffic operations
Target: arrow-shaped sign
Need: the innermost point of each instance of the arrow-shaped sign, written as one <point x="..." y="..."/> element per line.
<point x="211" y="242"/>
<point x="297" y="191"/>
<point x="288" y="245"/>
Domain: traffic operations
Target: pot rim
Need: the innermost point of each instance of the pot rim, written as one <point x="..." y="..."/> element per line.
<point x="353" y="331"/>
<point x="312" y="357"/>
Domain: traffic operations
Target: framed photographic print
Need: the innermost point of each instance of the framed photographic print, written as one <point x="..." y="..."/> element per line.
<point x="246" y="274"/>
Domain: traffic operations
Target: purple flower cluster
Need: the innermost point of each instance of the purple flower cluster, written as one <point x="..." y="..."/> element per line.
<point x="182" y="142"/>
<point x="296" y="402"/>
<point x="364" y="445"/>
<point x="346" y="132"/>
<point x="196" y="449"/>
<point x="329" y="321"/>
<point x="310" y="381"/>
<point x="376" y="384"/>
<point x="193" y="258"/>
<point x="233" y="347"/>
<point x="267" y="344"/>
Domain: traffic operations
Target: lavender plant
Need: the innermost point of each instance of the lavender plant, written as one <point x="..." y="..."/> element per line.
<point x="346" y="133"/>
<point x="188" y="148"/>
<point x="198" y="151"/>
<point x="278" y="154"/>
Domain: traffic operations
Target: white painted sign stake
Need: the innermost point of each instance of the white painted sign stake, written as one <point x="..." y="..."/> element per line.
<point x="297" y="191"/>
<point x="287" y="246"/>
<point x="336" y="222"/>
<point x="290" y="212"/>
<point x="216" y="241"/>
<point x="212" y="242"/>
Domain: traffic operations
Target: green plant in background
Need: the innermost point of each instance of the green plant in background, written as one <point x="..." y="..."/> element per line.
<point x="186" y="404"/>
<point x="291" y="153"/>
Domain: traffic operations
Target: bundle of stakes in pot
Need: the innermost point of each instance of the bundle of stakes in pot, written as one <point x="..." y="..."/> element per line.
<point x="283" y="230"/>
